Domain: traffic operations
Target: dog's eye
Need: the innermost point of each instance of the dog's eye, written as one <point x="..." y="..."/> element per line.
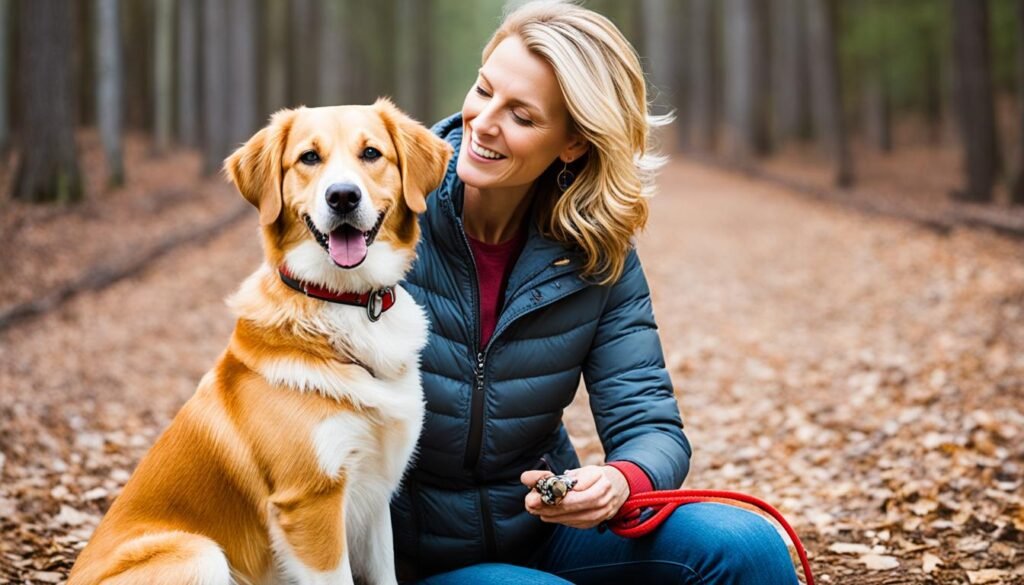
<point x="370" y="154"/>
<point x="310" y="157"/>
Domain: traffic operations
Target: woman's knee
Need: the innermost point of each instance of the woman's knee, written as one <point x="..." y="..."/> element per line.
<point x="726" y="544"/>
<point x="494" y="573"/>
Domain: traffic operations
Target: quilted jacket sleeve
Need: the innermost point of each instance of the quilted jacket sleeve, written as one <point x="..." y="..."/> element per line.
<point x="631" y="394"/>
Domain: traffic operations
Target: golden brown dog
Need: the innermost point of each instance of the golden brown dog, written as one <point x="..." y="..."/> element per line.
<point x="281" y="466"/>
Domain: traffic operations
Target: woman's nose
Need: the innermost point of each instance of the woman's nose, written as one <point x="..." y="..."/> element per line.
<point x="486" y="122"/>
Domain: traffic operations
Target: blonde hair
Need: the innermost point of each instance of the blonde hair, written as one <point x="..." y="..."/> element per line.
<point x="603" y="85"/>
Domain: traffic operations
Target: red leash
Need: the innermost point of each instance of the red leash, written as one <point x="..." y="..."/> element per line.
<point x="663" y="503"/>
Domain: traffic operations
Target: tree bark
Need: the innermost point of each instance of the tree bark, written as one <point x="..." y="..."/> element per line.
<point x="304" y="56"/>
<point x="415" y="72"/>
<point x="974" y="102"/>
<point x="825" y="87"/>
<point x="243" y="116"/>
<point x="1017" y="189"/>
<point x="275" y="80"/>
<point x="790" y="83"/>
<point x="163" y="76"/>
<point x="746" y="81"/>
<point x="109" y="99"/>
<point x="339" y="76"/>
<point x="48" y="170"/>
<point x="188" y="72"/>
<point x="5" y="73"/>
<point x="702" y="111"/>
<point x="215" y="81"/>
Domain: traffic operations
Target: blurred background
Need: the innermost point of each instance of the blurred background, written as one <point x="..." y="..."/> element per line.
<point x="746" y="78"/>
<point x="835" y="253"/>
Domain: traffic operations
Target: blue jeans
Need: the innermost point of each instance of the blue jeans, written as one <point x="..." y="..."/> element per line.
<point x="699" y="544"/>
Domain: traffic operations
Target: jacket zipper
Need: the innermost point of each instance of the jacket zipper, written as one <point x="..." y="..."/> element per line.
<point x="475" y="442"/>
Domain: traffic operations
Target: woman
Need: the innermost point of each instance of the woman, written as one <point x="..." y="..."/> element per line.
<point x="527" y="269"/>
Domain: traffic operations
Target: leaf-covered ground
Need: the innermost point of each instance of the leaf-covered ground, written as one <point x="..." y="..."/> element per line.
<point x="863" y="374"/>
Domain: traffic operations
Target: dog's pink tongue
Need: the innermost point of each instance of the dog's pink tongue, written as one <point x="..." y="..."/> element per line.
<point x="347" y="246"/>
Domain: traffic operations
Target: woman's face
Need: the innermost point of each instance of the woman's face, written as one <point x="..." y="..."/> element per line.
<point x="515" y="121"/>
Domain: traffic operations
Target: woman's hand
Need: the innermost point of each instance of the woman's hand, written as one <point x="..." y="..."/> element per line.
<point x="599" y="492"/>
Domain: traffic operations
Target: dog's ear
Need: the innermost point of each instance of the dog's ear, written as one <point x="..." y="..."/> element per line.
<point x="422" y="156"/>
<point x="255" y="168"/>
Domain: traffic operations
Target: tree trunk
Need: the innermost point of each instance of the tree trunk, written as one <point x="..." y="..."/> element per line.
<point x="876" y="109"/>
<point x="215" y="86"/>
<point x="745" y="80"/>
<point x="414" y="79"/>
<point x="702" y="111"/>
<point x="790" y="84"/>
<point x="340" y="76"/>
<point x="825" y="87"/>
<point x="110" y="76"/>
<point x="658" y="53"/>
<point x="974" y="103"/>
<point x="49" y="168"/>
<point x="5" y="73"/>
<point x="138" y="56"/>
<point x="188" y="72"/>
<point x="244" y="119"/>
<point x="1017" y="189"/>
<point x="82" y="65"/>
<point x="163" y="76"/>
<point x="275" y="80"/>
<point x="304" y="56"/>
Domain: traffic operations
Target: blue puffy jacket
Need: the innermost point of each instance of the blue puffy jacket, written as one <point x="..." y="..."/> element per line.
<point x="492" y="413"/>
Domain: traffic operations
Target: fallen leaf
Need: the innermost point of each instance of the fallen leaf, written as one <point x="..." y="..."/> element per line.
<point x="929" y="562"/>
<point x="880" y="562"/>
<point x="986" y="576"/>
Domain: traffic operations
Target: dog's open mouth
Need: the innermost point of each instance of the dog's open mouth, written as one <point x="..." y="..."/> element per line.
<point x="346" y="245"/>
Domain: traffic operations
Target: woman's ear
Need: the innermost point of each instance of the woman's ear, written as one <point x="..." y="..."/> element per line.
<point x="577" y="147"/>
<point x="255" y="168"/>
<point x="422" y="156"/>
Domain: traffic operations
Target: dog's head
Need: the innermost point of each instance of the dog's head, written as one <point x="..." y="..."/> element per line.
<point x="338" y="190"/>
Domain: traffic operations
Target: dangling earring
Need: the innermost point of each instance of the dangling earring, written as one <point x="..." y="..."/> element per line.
<point x="565" y="177"/>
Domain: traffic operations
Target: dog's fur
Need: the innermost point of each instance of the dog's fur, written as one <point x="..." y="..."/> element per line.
<point x="281" y="466"/>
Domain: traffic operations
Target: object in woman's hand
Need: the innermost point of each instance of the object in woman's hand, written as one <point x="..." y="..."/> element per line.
<point x="554" y="487"/>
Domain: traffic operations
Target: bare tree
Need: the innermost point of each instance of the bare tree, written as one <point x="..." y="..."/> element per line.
<point x="746" y="83"/>
<point x="974" y="102"/>
<point x="48" y="170"/>
<point x="658" y="52"/>
<point x="414" y="79"/>
<point x="5" y="68"/>
<point x="275" y="70"/>
<point x="109" y="98"/>
<point x="338" y="74"/>
<point x="215" y="84"/>
<point x="790" y="83"/>
<point x="825" y="87"/>
<point x="1017" y="189"/>
<point x="304" y="54"/>
<point x="702" y="111"/>
<point x="163" y="75"/>
<point x="188" y="72"/>
<point x="242" y="30"/>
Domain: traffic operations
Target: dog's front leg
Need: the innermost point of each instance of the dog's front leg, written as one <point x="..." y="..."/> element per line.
<point x="309" y="538"/>
<point x="373" y="550"/>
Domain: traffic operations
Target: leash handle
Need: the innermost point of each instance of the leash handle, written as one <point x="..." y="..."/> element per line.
<point x="665" y="502"/>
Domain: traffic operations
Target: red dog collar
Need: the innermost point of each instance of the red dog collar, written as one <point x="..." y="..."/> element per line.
<point x="376" y="301"/>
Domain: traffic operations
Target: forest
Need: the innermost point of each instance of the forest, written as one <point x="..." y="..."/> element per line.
<point x="835" y="252"/>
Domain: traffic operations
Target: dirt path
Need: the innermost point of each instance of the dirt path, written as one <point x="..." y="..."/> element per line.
<point x="864" y="375"/>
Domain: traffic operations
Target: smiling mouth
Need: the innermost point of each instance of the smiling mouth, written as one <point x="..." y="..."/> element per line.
<point x="346" y="245"/>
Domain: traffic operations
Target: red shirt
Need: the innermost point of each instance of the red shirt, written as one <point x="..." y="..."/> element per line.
<point x="494" y="264"/>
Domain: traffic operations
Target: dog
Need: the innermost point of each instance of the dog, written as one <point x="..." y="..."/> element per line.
<point x="281" y="466"/>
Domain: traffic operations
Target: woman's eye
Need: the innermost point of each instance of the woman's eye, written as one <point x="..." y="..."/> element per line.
<point x="482" y="91"/>
<point x="310" y="157"/>
<point x="370" y="154"/>
<point x="521" y="120"/>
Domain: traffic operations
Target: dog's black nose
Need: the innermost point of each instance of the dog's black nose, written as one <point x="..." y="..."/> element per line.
<point x="343" y="197"/>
